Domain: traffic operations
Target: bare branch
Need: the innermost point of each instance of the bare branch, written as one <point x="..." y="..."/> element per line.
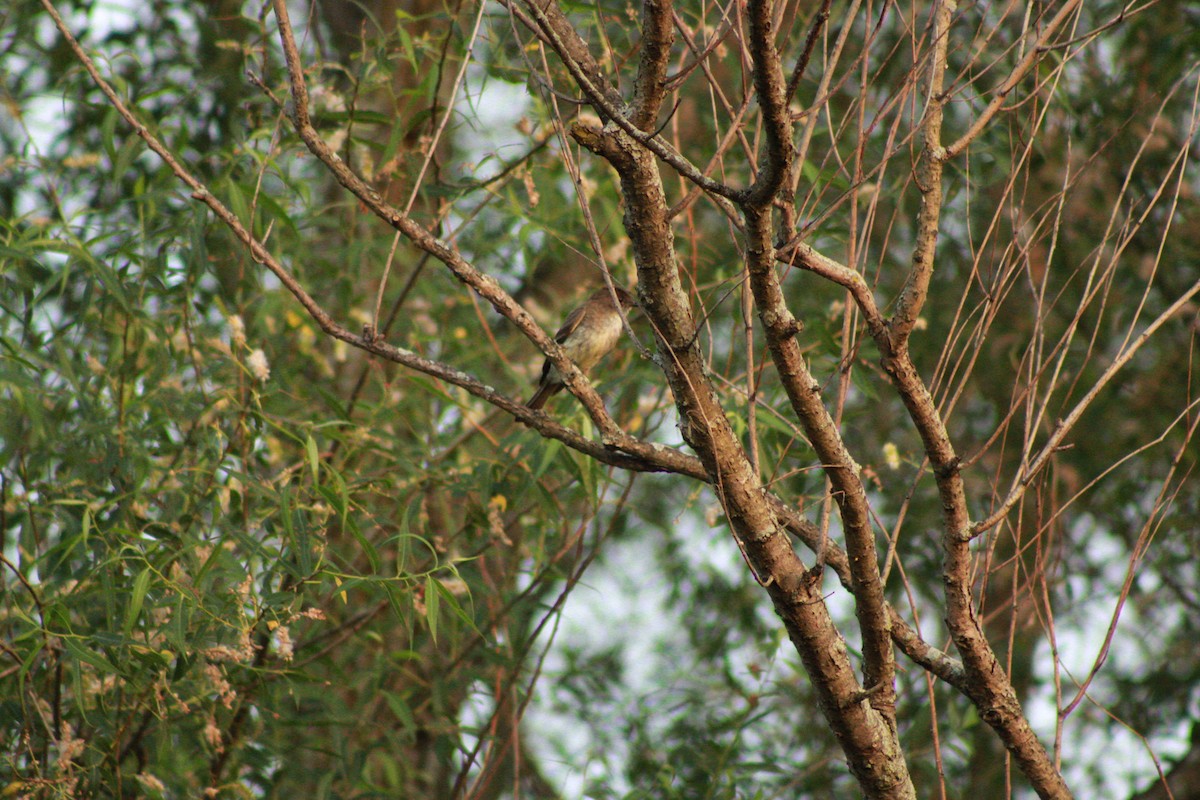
<point x="803" y="390"/>
<point x="650" y="87"/>
<point x="804" y="393"/>
<point x="1129" y="348"/>
<point x="864" y="732"/>
<point x="929" y="183"/>
<point x="806" y="257"/>
<point x="1068" y="422"/>
<point x="1034" y="55"/>
<point x="565" y="41"/>
<point x="986" y="683"/>
<point x="1140" y="549"/>
<point x="771" y="89"/>
<point x="818" y="24"/>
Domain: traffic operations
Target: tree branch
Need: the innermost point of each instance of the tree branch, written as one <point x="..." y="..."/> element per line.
<point x="650" y="86"/>
<point x="484" y="285"/>
<point x="941" y="664"/>
<point x="803" y="390"/>
<point x="1034" y="55"/>
<point x="869" y="741"/>
<point x="579" y="62"/>
<point x="929" y="182"/>
<point x="771" y="88"/>
<point x="804" y="393"/>
<point x="818" y="24"/>
<point x="987" y="685"/>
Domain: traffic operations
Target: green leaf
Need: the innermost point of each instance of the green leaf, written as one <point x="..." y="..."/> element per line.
<point x="455" y="606"/>
<point x="401" y="710"/>
<point x="137" y="597"/>
<point x="431" y="604"/>
<point x="314" y="458"/>
<point x="107" y="133"/>
<point x="76" y="648"/>
<point x="549" y="450"/>
<point x="367" y="546"/>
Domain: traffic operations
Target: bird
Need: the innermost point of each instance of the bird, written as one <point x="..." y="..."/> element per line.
<point x="588" y="334"/>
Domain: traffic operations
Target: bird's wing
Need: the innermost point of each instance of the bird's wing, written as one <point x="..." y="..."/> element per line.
<point x="571" y="323"/>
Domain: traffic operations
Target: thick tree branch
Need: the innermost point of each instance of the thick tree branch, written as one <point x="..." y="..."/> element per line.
<point x="867" y="738"/>
<point x="803" y="390"/>
<point x="650" y="87"/>
<point x="986" y="683"/>
<point x="944" y="666"/>
<point x="771" y="89"/>
<point x="804" y="393"/>
<point x="929" y="182"/>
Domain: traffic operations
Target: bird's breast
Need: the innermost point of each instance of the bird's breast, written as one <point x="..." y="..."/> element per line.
<point x="587" y="350"/>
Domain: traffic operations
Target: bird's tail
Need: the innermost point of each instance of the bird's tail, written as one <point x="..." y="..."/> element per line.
<point x="544" y="392"/>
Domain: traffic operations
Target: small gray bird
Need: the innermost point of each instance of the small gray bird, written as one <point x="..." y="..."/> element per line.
<point x="588" y="334"/>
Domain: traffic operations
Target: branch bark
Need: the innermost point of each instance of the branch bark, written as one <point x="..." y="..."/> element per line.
<point x="573" y="52"/>
<point x="803" y="390"/>
<point x="985" y="683"/>
<point x="867" y="737"/>
<point x="650" y="87"/>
